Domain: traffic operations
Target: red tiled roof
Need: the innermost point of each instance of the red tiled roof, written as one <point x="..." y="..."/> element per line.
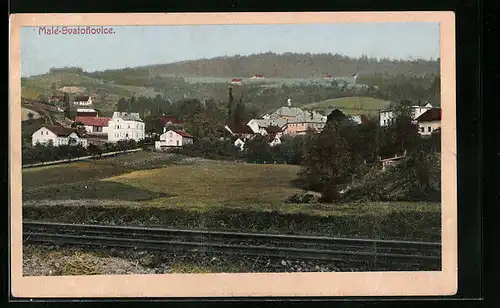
<point x="183" y="133"/>
<point x="433" y="114"/>
<point x="236" y="79"/>
<point x="166" y="119"/>
<point x="93" y="121"/>
<point x="240" y="129"/>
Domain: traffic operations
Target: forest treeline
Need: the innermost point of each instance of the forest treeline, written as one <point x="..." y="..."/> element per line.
<point x="287" y="65"/>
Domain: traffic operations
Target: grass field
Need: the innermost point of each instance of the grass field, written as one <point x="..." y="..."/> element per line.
<point x="351" y="105"/>
<point x="147" y="188"/>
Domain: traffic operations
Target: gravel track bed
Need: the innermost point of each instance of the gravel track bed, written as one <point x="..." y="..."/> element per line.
<point x="43" y="260"/>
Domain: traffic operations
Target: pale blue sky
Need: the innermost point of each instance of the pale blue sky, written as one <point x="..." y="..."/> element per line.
<point x="132" y="46"/>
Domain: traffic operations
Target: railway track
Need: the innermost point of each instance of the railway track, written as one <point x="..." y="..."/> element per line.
<point x="375" y="252"/>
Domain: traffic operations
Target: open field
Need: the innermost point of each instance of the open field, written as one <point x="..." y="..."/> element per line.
<point x="351" y="105"/>
<point x="147" y="188"/>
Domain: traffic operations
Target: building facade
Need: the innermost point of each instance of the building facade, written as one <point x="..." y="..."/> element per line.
<point x="94" y="124"/>
<point x="429" y="121"/>
<point x="125" y="126"/>
<point x="387" y="116"/>
<point x="58" y="135"/>
<point x="174" y="138"/>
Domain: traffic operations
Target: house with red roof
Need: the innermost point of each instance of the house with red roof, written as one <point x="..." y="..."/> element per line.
<point x="169" y="120"/>
<point x="258" y="76"/>
<point x="94" y="124"/>
<point x="429" y="121"/>
<point x="237" y="81"/>
<point x="173" y="138"/>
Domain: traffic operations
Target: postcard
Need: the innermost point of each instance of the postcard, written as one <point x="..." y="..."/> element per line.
<point x="233" y="155"/>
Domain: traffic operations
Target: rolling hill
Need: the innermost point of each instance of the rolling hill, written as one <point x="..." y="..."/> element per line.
<point x="351" y="105"/>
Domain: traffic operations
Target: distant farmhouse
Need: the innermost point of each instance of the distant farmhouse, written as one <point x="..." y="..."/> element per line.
<point x="82" y="101"/>
<point x="237" y="81"/>
<point x="258" y="76"/>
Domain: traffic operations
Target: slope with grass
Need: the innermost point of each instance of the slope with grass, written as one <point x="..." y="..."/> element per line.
<point x="351" y="105"/>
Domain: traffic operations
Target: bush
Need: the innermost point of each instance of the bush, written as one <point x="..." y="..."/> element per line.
<point x="416" y="178"/>
<point x="210" y="149"/>
<point x="302" y="197"/>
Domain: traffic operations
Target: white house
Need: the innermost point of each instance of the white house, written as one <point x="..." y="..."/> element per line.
<point x="240" y="144"/>
<point x="174" y="138"/>
<point x="94" y="124"/>
<point x="429" y="121"/>
<point x="259" y="126"/>
<point x="82" y="101"/>
<point x="58" y="135"/>
<point x="274" y="139"/>
<point x="125" y="126"/>
<point x="386" y="116"/>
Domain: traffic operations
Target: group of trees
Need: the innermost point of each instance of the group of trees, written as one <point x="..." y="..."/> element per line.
<point x="344" y="158"/>
<point x="48" y="152"/>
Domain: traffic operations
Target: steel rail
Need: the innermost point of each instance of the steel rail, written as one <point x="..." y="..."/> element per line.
<point x="120" y="236"/>
<point x="316" y="240"/>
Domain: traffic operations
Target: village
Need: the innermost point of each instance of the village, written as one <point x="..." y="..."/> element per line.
<point x="87" y="127"/>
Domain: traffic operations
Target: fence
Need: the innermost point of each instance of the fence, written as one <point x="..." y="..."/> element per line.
<point x="62" y="161"/>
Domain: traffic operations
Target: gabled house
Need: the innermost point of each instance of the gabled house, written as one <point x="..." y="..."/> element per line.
<point x="237" y="81"/>
<point x="240" y="130"/>
<point x="82" y="101"/>
<point x="429" y="122"/>
<point x="259" y="126"/>
<point x="94" y="124"/>
<point x="58" y="135"/>
<point x="125" y="126"/>
<point x="387" y="116"/>
<point x="173" y="138"/>
<point x="258" y="76"/>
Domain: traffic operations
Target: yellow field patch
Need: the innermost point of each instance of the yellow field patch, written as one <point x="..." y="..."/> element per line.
<point x="224" y="182"/>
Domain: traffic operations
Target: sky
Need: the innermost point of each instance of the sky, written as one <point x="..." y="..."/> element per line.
<point x="131" y="46"/>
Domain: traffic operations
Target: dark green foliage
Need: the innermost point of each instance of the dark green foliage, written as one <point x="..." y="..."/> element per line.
<point x="258" y="150"/>
<point x="210" y="149"/>
<point x="46" y="153"/>
<point x="416" y="178"/>
<point x="327" y="164"/>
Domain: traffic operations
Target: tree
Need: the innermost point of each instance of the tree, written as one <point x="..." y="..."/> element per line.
<point x="230" y="106"/>
<point x="122" y="105"/>
<point x="336" y="116"/>
<point x="30" y="115"/>
<point x="258" y="150"/>
<point x="239" y="112"/>
<point x="327" y="164"/>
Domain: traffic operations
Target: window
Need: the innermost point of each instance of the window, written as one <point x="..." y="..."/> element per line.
<point x="177" y="142"/>
<point x="126" y="135"/>
<point x="429" y="129"/>
<point x="129" y="126"/>
<point x="422" y="129"/>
